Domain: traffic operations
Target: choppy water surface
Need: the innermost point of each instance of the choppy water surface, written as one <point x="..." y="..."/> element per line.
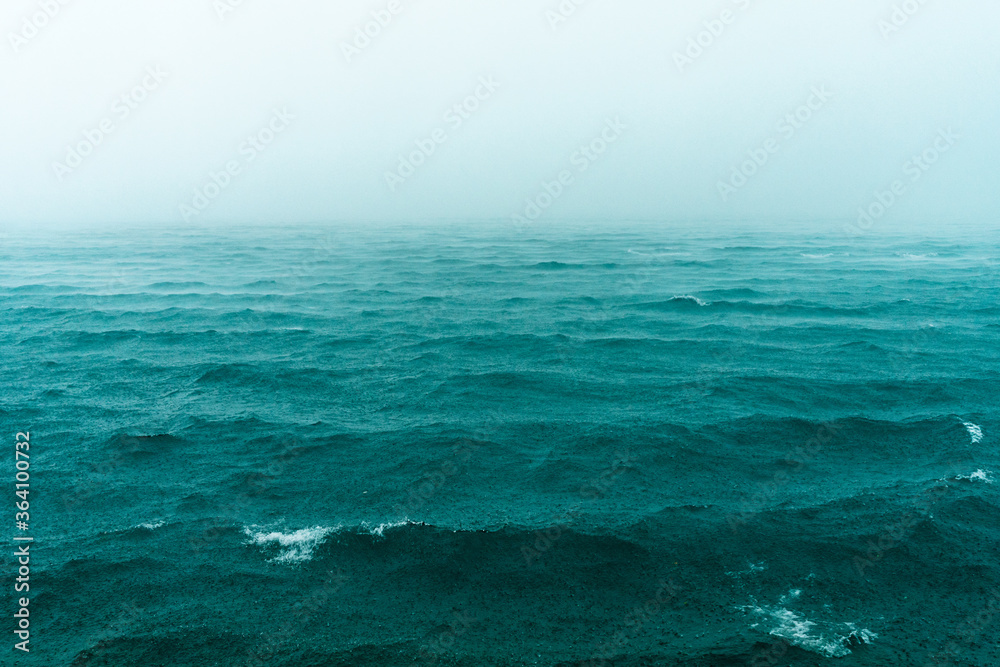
<point x="628" y="446"/>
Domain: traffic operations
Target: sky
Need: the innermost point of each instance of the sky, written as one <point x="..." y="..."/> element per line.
<point x="858" y="115"/>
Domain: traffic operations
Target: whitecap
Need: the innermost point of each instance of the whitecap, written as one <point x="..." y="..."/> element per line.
<point x="975" y="432"/>
<point x="150" y="527"/>
<point x="978" y="476"/>
<point x="831" y="640"/>
<point x="688" y="297"/>
<point x="810" y="256"/>
<point x="379" y="530"/>
<point x="296" y="547"/>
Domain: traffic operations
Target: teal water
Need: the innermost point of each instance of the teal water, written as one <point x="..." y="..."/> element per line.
<point x="384" y="446"/>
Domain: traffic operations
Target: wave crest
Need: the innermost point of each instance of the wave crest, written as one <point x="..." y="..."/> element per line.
<point x="295" y="547"/>
<point x="975" y="432"/>
<point x="834" y="640"/>
<point x="687" y="298"/>
<point x="300" y="546"/>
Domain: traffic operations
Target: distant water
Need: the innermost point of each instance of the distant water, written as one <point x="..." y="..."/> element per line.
<point x="386" y="447"/>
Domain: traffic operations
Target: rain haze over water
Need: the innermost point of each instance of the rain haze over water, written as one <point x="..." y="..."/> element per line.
<point x="552" y="332"/>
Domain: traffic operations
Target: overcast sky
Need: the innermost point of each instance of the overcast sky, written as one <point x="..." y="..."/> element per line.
<point x="195" y="111"/>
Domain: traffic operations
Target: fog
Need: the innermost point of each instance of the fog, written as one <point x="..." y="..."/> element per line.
<point x="745" y="112"/>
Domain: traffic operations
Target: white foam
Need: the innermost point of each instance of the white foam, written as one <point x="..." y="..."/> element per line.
<point x="796" y="628"/>
<point x="688" y="297"/>
<point x="752" y="568"/>
<point x="791" y="595"/>
<point x="379" y="530"/>
<point x="297" y="547"/>
<point x="830" y="640"/>
<point x="978" y="476"/>
<point x="151" y="526"/>
<point x="809" y="256"/>
<point x="865" y="635"/>
<point x="975" y="432"/>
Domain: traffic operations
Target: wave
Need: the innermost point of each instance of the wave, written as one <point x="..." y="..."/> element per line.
<point x="379" y="530"/>
<point x="142" y="529"/>
<point x="203" y="646"/>
<point x="496" y="341"/>
<point x="300" y="545"/>
<point x="791" y="307"/>
<point x="409" y="543"/>
<point x="786" y="308"/>
<point x="224" y="373"/>
<point x="175" y="285"/>
<point x="828" y="639"/>
<point x="688" y="299"/>
<point x="150" y="526"/>
<point x="657" y="255"/>
<point x="564" y="266"/>
<point x="143" y="445"/>
<point x="978" y="476"/>
<point x="975" y="432"/>
<point x="844" y="432"/>
<point x="734" y="293"/>
<point x="46" y="289"/>
<point x="166" y="646"/>
<point x="556" y="266"/>
<point x="862" y="345"/>
<point x="295" y="547"/>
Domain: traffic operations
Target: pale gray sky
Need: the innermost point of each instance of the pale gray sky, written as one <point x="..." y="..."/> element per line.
<point x="667" y="122"/>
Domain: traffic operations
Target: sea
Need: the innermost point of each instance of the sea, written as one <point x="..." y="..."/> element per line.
<point x="475" y="444"/>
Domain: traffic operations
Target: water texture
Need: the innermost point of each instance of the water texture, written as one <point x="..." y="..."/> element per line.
<point x="457" y="446"/>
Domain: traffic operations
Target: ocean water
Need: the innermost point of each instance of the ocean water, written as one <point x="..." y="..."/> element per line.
<point x="486" y="446"/>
